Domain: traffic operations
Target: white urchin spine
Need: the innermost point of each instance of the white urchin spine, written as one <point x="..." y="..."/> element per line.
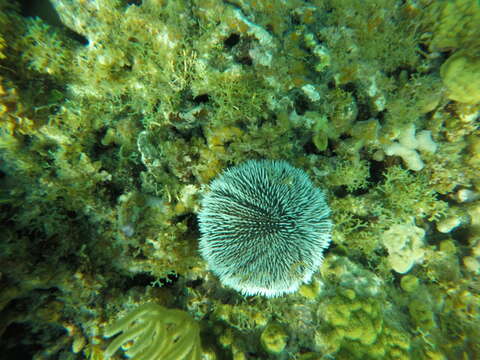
<point x="264" y="227"/>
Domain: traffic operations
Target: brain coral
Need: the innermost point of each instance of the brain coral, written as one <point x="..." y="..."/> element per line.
<point x="264" y="227"/>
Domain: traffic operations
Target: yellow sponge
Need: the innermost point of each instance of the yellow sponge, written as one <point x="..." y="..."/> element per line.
<point x="461" y="75"/>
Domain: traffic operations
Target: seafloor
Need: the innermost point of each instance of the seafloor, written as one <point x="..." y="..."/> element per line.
<point x="116" y="114"/>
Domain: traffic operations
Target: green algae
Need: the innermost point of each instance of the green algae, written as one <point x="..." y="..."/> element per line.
<point x="113" y="120"/>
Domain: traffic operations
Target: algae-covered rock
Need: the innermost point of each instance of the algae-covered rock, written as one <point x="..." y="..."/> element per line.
<point x="274" y="338"/>
<point x="116" y="116"/>
<point x="409" y="283"/>
<point x="461" y="75"/>
<point x="454" y="23"/>
<point x="421" y="312"/>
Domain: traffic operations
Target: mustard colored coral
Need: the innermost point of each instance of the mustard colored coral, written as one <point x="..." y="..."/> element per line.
<point x="461" y="74"/>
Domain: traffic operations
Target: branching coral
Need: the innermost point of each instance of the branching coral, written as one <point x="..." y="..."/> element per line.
<point x="156" y="333"/>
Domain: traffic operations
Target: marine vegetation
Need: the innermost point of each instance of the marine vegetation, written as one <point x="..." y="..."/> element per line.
<point x="117" y="117"/>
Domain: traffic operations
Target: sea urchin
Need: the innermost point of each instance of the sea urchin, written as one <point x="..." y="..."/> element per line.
<point x="264" y="227"/>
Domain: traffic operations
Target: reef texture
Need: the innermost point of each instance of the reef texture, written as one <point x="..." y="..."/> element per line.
<point x="116" y="114"/>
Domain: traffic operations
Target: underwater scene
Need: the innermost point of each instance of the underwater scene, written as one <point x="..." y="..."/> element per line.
<point x="239" y="179"/>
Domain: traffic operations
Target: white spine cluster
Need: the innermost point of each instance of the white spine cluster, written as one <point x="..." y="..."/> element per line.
<point x="264" y="227"/>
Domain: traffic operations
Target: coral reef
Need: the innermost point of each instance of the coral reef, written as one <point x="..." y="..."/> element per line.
<point x="115" y="115"/>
